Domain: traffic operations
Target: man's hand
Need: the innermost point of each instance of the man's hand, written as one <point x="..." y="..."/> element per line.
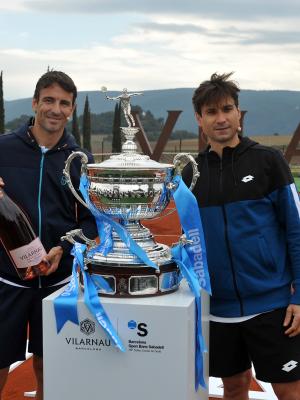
<point x="1" y="186"/>
<point x="292" y="318"/>
<point x="53" y="258"/>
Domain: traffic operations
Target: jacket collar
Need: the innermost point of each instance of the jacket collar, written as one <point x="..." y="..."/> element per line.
<point x="25" y="134"/>
<point x="228" y="152"/>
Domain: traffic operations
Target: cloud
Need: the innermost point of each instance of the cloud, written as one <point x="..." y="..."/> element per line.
<point x="13" y="5"/>
<point x="161" y="56"/>
<point x="218" y="34"/>
<point x="90" y="68"/>
<point x="171" y="27"/>
<point x="220" y="9"/>
<point x="272" y="38"/>
<point x="152" y="45"/>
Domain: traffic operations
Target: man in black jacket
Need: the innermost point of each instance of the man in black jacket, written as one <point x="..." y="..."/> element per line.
<point x="31" y="164"/>
<point x="250" y="212"/>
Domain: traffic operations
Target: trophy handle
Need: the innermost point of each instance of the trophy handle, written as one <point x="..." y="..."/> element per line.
<point x="179" y="167"/>
<point x="70" y="237"/>
<point x="66" y="172"/>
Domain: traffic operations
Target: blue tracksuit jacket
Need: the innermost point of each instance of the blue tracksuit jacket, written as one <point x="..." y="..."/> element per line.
<point x="250" y="211"/>
<point x="35" y="181"/>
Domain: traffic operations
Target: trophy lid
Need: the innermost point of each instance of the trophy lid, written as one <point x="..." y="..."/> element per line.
<point x="134" y="161"/>
<point x="129" y="158"/>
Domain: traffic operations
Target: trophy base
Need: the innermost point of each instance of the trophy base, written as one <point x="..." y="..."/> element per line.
<point x="134" y="281"/>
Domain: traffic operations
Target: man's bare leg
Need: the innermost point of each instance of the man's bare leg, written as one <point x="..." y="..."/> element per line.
<point x="287" y="391"/>
<point x="237" y="387"/>
<point x="38" y="371"/>
<point x="3" y="379"/>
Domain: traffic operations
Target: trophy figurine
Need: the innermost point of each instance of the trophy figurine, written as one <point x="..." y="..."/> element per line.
<point x="129" y="187"/>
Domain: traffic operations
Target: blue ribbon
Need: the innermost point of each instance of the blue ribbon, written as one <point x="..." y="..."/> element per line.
<point x="192" y="262"/>
<point x="187" y="206"/>
<point x="105" y="225"/>
<point x="101" y="283"/>
<point x="65" y="305"/>
<point x="180" y="257"/>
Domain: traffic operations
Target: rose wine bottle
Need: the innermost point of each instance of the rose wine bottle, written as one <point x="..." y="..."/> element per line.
<point x="19" y="240"/>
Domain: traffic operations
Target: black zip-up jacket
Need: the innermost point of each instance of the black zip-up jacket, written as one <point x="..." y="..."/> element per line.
<point x="35" y="181"/>
<point x="250" y="212"/>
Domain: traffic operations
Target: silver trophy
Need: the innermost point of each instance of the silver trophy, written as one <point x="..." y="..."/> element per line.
<point x="130" y="187"/>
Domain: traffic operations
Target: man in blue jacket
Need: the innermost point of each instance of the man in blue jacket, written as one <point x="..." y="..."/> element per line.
<point x="31" y="164"/>
<point x="250" y="211"/>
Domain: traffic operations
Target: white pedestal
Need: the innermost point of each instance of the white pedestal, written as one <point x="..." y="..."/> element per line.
<point x="158" y="362"/>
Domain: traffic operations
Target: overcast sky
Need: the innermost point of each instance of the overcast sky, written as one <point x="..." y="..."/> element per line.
<point x="149" y="44"/>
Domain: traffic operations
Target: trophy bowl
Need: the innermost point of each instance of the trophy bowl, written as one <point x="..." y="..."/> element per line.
<point x="129" y="187"/>
<point x="130" y="193"/>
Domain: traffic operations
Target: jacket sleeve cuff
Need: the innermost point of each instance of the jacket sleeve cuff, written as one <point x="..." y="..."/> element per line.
<point x="295" y="298"/>
<point x="66" y="246"/>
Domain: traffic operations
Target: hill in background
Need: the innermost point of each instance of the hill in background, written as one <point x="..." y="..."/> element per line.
<point x="268" y="112"/>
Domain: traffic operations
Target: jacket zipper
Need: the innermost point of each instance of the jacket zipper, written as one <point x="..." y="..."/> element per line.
<point x="228" y="244"/>
<point x="39" y="201"/>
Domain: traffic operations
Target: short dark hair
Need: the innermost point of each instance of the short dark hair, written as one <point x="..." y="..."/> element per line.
<point x="214" y="90"/>
<point x="58" y="77"/>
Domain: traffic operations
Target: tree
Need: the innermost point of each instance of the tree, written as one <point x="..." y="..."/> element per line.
<point x="17" y="122"/>
<point x="2" y="118"/>
<point x="75" y="127"/>
<point x="116" y="140"/>
<point x="86" y="126"/>
<point x="153" y="126"/>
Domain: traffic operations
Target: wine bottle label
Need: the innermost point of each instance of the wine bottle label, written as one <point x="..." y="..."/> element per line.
<point x="28" y="255"/>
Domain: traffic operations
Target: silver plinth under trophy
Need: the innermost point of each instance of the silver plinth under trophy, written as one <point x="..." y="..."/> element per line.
<point x="130" y="187"/>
